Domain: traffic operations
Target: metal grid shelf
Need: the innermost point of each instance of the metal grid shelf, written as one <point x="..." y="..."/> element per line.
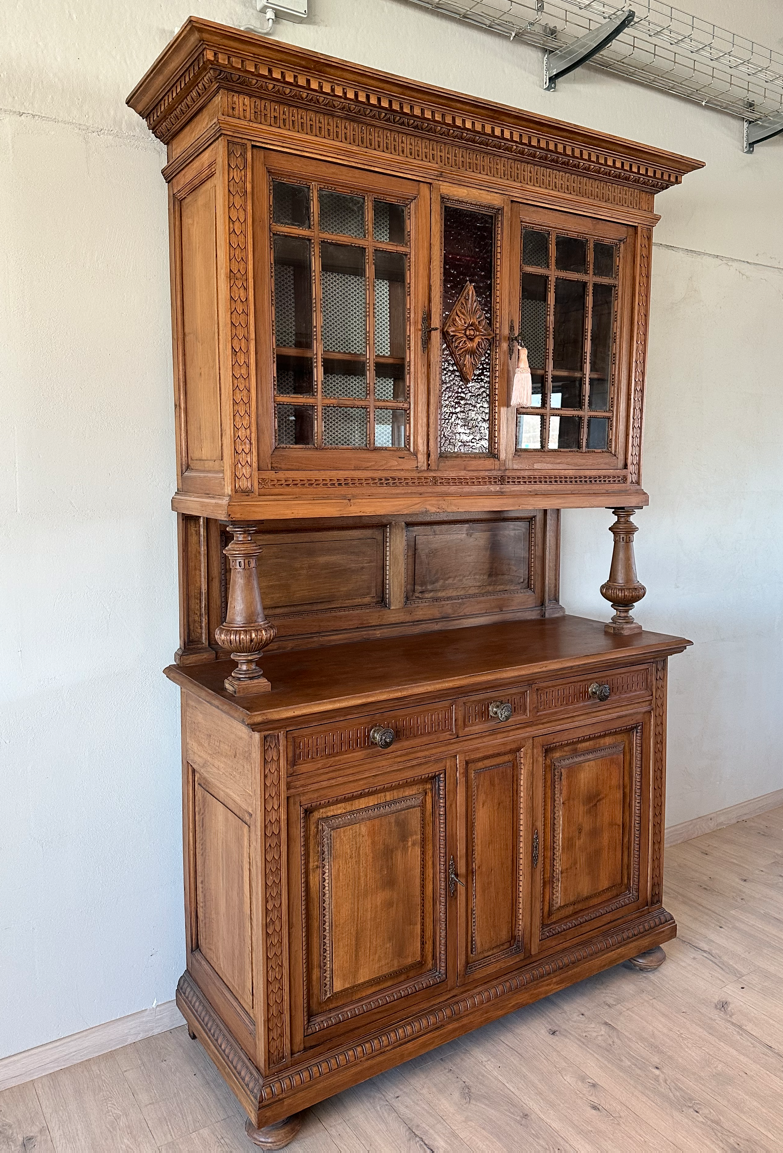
<point x="664" y="47"/>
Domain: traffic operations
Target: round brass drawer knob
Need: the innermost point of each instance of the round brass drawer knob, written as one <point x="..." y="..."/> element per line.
<point x="500" y="710"/>
<point x="599" y="692"/>
<point x="381" y="736"/>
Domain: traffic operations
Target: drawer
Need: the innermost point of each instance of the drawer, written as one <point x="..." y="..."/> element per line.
<point x="477" y="718"/>
<point x="625" y="685"/>
<point x="412" y="728"/>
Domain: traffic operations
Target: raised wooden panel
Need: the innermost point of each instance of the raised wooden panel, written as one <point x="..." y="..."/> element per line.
<point x="222" y="884"/>
<point x="323" y="571"/>
<point x="199" y="313"/>
<point x="373" y="876"/>
<point x="425" y="725"/>
<point x="468" y="559"/>
<point x="592" y="793"/>
<point x="495" y="876"/>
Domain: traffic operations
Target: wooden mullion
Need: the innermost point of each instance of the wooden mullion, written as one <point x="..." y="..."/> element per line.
<point x="318" y="367"/>
<point x="546" y="399"/>
<point x="588" y="345"/>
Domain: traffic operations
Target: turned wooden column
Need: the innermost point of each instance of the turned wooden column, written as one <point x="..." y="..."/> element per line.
<point x="623" y="589"/>
<point x="245" y="631"/>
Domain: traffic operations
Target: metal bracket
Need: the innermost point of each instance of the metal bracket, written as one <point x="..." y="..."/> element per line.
<point x="758" y="130"/>
<point x="565" y="60"/>
<point x="274" y="10"/>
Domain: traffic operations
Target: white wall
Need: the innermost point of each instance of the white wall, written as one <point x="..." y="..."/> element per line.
<point x="90" y="873"/>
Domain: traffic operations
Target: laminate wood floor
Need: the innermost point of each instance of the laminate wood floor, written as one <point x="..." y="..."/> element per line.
<point x="687" y="1058"/>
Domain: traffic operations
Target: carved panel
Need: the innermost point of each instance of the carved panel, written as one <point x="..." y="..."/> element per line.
<point x="423" y="725"/>
<point x="395" y="962"/>
<point x="565" y="696"/>
<point x="239" y="293"/>
<point x="620" y="890"/>
<point x="469" y="559"/>
<point x="273" y="920"/>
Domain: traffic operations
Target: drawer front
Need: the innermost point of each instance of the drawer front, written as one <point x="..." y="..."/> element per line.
<point x="625" y="685"/>
<point x="477" y="717"/>
<point x="412" y="728"/>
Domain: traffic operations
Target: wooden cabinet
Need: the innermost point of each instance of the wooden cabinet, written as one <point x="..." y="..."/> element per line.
<point x="409" y="327"/>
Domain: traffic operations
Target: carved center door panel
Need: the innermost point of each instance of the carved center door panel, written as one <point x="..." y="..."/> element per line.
<point x="495" y="903"/>
<point x="593" y="790"/>
<point x="373" y="892"/>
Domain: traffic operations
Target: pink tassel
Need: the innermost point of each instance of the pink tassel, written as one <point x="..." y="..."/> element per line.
<point x="522" y="388"/>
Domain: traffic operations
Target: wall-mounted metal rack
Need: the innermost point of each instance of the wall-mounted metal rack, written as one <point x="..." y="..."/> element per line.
<point x="661" y="46"/>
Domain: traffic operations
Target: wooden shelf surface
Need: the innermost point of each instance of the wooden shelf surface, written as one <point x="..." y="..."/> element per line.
<point x="361" y="673"/>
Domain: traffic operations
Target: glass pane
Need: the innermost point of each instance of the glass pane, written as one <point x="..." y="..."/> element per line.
<point x="295" y="424"/>
<point x="569" y="329"/>
<point x="389" y="382"/>
<point x="291" y="204"/>
<point x="343" y="299"/>
<point x="390" y="304"/>
<point x="604" y="259"/>
<point x="599" y="394"/>
<point x="468" y="264"/>
<point x="566" y="392"/>
<point x="535" y="248"/>
<point x="388" y="222"/>
<point x="601" y="329"/>
<point x="598" y="432"/>
<point x="565" y="432"/>
<point x="340" y="213"/>
<point x="529" y="432"/>
<point x="537" y="390"/>
<point x="570" y="254"/>
<point x="294" y="375"/>
<point x="532" y="324"/>
<point x="293" y="293"/>
<point x="345" y="427"/>
<point x="389" y="428"/>
<point x="344" y="378"/>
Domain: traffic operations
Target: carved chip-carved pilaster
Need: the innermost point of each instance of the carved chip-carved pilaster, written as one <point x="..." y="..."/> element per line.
<point x="239" y="292"/>
<point x="659" y="769"/>
<point x="273" y="883"/>
<point x="640" y="356"/>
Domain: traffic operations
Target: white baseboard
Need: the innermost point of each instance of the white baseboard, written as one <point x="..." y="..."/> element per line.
<point x="21" y="1067"/>
<point x="723" y="817"/>
<point x="43" y="1059"/>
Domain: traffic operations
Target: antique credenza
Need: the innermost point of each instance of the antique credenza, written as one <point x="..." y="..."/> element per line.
<point x="409" y="327"/>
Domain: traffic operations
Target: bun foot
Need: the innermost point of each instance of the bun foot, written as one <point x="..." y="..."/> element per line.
<point x="277" y="1135"/>
<point x="646" y="962"/>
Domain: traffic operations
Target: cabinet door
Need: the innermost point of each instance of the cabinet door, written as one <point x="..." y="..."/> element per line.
<point x="373" y="899"/>
<point x="592" y="794"/>
<point x="494" y="855"/>
<point x="341" y="266"/>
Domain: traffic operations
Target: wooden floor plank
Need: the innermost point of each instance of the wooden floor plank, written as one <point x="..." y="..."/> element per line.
<point x="688" y="1058"/>
<point x="89" y="1108"/>
<point x="22" y="1124"/>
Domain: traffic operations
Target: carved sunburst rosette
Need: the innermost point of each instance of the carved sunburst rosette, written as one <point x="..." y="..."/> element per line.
<point x="467" y="333"/>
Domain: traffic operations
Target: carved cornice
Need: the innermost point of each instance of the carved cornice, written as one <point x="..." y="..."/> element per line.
<point x="205" y="57"/>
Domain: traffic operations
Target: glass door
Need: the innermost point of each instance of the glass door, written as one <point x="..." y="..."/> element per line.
<point x="343" y="249"/>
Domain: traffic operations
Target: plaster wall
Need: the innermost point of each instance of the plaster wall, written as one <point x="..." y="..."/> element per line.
<point x="90" y="868"/>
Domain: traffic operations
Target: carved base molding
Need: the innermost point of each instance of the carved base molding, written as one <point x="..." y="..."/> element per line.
<point x="312" y="1079"/>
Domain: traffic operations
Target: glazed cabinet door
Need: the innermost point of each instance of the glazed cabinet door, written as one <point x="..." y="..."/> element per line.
<point x="341" y="261"/>
<point x="493" y="882"/>
<point x="372" y="904"/>
<point x="592" y="799"/>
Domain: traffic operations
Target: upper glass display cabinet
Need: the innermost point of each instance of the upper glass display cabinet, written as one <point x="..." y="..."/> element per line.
<point x="357" y="260"/>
